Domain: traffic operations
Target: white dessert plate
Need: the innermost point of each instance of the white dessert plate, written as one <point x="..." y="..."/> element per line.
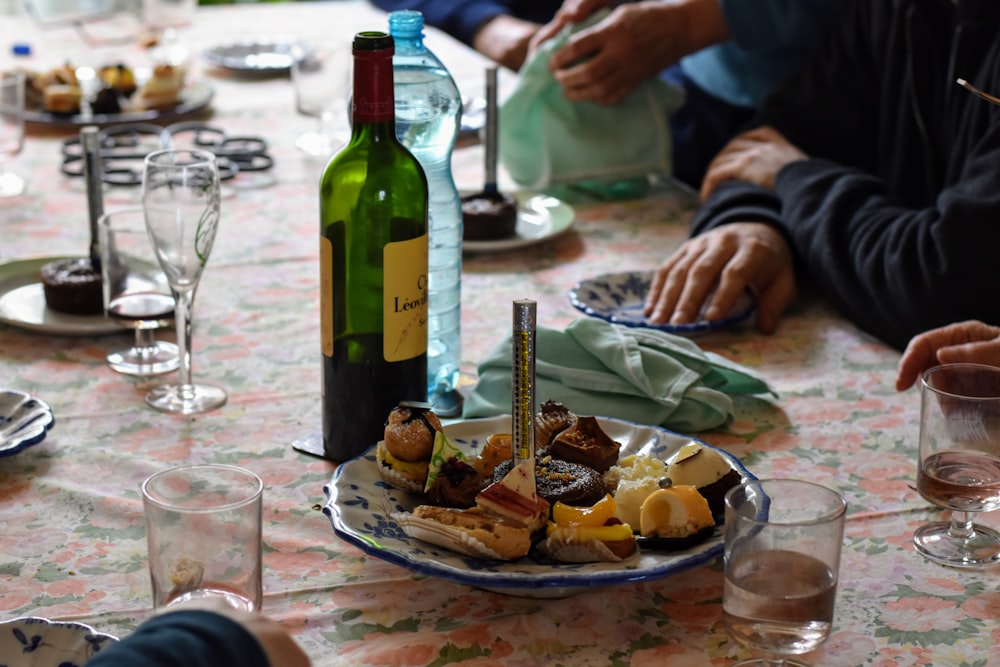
<point x="194" y="96"/>
<point x="22" y="304"/>
<point x="360" y="504"/>
<point x="258" y="55"/>
<point x="38" y="642"/>
<point x="620" y="297"/>
<point x="24" y="421"/>
<point x="539" y="218"/>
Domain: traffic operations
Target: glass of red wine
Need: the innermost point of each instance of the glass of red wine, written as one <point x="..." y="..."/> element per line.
<point x="136" y="293"/>
<point x="959" y="465"/>
<point x="782" y="558"/>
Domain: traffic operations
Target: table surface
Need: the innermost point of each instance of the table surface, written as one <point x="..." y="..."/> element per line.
<point x="72" y="538"/>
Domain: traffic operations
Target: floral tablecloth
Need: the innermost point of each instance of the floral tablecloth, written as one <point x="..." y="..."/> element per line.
<point x="71" y="530"/>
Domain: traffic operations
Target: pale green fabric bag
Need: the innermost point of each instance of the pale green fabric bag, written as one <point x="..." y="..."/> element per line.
<point x="610" y="370"/>
<point x="545" y="139"/>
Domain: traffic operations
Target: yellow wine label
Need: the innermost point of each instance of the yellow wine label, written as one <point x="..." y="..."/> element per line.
<point x="404" y="299"/>
<point x="326" y="295"/>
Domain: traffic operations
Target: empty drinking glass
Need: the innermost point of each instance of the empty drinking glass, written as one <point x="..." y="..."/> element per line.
<point x="322" y="82"/>
<point x="180" y="197"/>
<point x="11" y="131"/>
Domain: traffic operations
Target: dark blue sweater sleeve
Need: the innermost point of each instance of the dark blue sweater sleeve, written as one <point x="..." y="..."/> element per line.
<point x="462" y="18"/>
<point x="896" y="214"/>
<point x="184" y="639"/>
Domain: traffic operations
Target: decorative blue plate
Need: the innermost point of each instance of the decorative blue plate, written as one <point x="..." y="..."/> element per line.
<point x="38" y="642"/>
<point x="620" y="297"/>
<point x="360" y="506"/>
<point x="24" y="421"/>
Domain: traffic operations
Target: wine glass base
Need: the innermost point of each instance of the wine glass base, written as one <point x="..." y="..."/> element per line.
<point x="760" y="662"/>
<point x="186" y="399"/>
<point x="936" y="542"/>
<point x="11" y="185"/>
<point x="157" y="359"/>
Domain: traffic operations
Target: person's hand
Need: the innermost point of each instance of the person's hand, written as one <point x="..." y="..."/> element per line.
<point x="505" y="39"/>
<point x="755" y="156"/>
<point x="636" y="41"/>
<point x="971" y="341"/>
<point x="717" y="267"/>
<point x="281" y="649"/>
<point x="570" y="13"/>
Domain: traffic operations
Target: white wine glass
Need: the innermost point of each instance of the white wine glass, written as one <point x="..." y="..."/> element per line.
<point x="782" y="556"/>
<point x="959" y="465"/>
<point x="180" y="198"/>
<point x="322" y="82"/>
<point x="11" y="131"/>
<point x="136" y="293"/>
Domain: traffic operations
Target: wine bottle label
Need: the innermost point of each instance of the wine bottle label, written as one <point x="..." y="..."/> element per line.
<point x="326" y="295"/>
<point x="404" y="299"/>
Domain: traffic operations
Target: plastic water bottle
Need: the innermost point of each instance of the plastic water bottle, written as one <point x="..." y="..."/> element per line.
<point x="428" y="118"/>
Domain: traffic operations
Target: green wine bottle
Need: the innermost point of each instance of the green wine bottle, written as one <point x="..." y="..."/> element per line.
<point x="373" y="265"/>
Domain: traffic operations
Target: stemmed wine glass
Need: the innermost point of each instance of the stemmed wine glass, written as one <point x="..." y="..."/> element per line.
<point x="782" y="556"/>
<point x="136" y="293"/>
<point x="11" y="130"/>
<point x="959" y="465"/>
<point x="180" y="197"/>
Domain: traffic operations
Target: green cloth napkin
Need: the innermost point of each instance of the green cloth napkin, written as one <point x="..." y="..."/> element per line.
<point x="641" y="375"/>
<point x="544" y="139"/>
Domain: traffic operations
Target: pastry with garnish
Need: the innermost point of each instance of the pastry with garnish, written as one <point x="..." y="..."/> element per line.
<point x="705" y="469"/>
<point x="119" y="78"/>
<point x="404" y="453"/>
<point x="587" y="534"/>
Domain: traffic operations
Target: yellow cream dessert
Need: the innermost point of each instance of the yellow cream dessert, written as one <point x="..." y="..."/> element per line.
<point x="678" y="511"/>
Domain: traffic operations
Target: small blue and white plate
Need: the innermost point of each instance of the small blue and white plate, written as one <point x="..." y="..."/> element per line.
<point x="24" y="421"/>
<point x="30" y="641"/>
<point x="620" y="297"/>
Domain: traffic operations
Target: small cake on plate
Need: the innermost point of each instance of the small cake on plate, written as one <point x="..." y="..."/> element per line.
<point x="488" y="217"/>
<point x="73" y="286"/>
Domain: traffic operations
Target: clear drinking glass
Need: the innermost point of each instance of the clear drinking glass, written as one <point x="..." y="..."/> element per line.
<point x="11" y="131"/>
<point x="782" y="555"/>
<point x="203" y="531"/>
<point x="164" y="17"/>
<point x="959" y="466"/>
<point x="322" y="82"/>
<point x="136" y="293"/>
<point x="180" y="197"/>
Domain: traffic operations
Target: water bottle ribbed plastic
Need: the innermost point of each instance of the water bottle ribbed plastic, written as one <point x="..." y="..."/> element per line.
<point x="428" y="118"/>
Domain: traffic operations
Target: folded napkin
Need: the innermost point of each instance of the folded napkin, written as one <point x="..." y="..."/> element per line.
<point x="641" y="375"/>
<point x="545" y="139"/>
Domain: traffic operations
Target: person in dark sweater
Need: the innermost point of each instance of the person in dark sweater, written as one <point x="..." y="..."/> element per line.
<point x="727" y="55"/>
<point x="204" y="633"/>
<point x="871" y="176"/>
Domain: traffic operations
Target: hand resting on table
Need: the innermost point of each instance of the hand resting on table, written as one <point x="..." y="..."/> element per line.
<point x="971" y="341"/>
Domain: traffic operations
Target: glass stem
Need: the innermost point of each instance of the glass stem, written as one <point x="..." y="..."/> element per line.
<point x="182" y="317"/>
<point x="144" y="343"/>
<point x="961" y="526"/>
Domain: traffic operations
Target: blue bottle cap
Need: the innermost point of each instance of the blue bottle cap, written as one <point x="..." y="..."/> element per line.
<point x="21" y="49"/>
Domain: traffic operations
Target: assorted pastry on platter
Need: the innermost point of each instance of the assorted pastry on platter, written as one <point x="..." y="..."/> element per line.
<point x="110" y="89"/>
<point x="576" y="501"/>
